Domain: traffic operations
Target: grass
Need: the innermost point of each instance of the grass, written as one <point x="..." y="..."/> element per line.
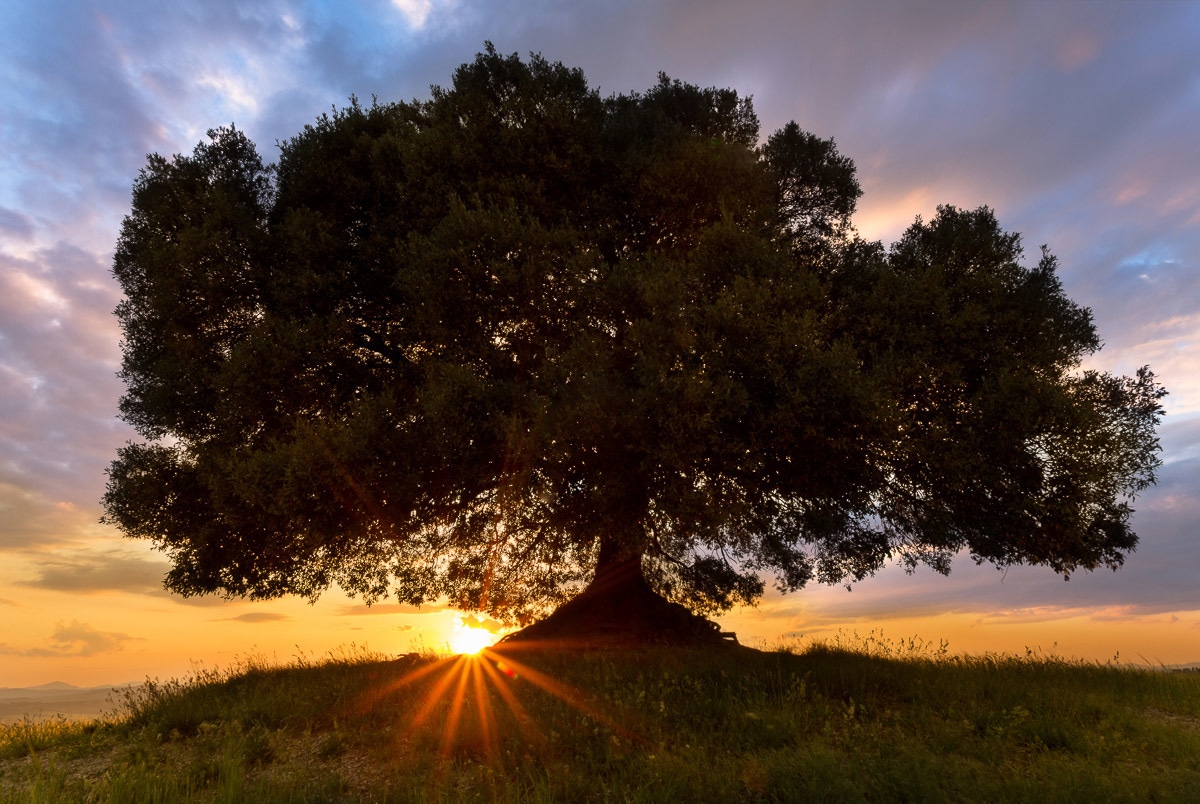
<point x="859" y="719"/>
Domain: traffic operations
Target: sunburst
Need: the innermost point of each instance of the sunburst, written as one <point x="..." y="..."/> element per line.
<point x="470" y="641"/>
<point x="488" y="682"/>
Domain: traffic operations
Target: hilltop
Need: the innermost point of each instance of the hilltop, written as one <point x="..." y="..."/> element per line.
<point x="881" y="721"/>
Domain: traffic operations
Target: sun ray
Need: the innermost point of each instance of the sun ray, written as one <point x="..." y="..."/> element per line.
<point x="484" y="704"/>
<point x="501" y="684"/>
<point x="567" y="694"/>
<point x="457" y="699"/>
<point x="373" y="697"/>
<point x="467" y="680"/>
<point x="435" y="695"/>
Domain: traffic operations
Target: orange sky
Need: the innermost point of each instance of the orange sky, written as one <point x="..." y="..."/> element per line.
<point x="111" y="637"/>
<point x="1075" y="122"/>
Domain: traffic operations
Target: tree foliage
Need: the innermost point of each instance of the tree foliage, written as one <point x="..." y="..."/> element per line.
<point x="472" y="345"/>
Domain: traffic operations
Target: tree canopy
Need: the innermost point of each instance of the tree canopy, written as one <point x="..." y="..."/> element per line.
<point x="486" y="344"/>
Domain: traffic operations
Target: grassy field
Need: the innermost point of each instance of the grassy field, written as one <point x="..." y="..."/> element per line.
<point x="867" y="721"/>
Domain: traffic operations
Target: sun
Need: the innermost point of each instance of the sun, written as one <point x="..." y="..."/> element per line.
<point x="469" y="641"/>
<point x="466" y="693"/>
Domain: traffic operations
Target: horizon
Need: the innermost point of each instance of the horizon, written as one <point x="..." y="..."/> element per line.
<point x="1074" y="122"/>
<point x="52" y="686"/>
<point x="58" y="700"/>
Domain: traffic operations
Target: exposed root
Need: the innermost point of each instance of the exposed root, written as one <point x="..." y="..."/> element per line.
<point x="620" y="610"/>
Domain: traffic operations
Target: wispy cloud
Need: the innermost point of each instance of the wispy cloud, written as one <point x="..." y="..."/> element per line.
<point x="29" y="518"/>
<point x="15" y="225"/>
<point x="1075" y="121"/>
<point x="58" y="387"/>
<point x="109" y="571"/>
<point x="77" y="639"/>
<point x="259" y="617"/>
<point x="391" y="608"/>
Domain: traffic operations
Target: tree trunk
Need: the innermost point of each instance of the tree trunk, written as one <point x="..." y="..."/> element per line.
<point x="619" y="609"/>
<point x="617" y="568"/>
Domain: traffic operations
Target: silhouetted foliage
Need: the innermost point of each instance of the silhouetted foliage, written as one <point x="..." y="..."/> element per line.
<point x="473" y="345"/>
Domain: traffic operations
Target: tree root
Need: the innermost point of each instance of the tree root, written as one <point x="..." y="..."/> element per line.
<point x="622" y="612"/>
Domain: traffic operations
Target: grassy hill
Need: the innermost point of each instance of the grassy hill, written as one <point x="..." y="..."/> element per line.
<point x="877" y="721"/>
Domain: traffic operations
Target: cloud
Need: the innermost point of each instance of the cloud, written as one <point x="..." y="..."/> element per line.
<point x="259" y="617"/>
<point x="58" y="384"/>
<point x="1116" y="614"/>
<point x="392" y="608"/>
<point x="29" y="519"/>
<point x="1180" y="437"/>
<point x="15" y="224"/>
<point x="77" y="639"/>
<point x="491" y="626"/>
<point x="1158" y="579"/>
<point x="110" y="571"/>
<point x="415" y="11"/>
<point x="1075" y="121"/>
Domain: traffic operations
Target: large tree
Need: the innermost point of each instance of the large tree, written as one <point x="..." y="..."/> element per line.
<point x="518" y="339"/>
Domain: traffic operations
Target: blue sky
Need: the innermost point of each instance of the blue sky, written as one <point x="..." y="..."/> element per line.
<point x="1076" y="121"/>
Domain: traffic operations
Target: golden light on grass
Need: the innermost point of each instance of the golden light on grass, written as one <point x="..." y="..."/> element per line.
<point x="466" y="698"/>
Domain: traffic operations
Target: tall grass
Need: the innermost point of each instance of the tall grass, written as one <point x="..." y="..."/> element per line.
<point x="852" y="719"/>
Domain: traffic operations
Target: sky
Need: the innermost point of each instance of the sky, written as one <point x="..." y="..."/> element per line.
<point x="1075" y="121"/>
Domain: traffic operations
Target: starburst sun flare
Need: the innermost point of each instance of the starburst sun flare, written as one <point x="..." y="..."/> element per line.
<point x="470" y="640"/>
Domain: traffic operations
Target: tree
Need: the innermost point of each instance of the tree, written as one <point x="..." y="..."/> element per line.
<point x="517" y="341"/>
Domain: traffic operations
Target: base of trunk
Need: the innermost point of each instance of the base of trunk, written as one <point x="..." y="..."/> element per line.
<point x="620" y="610"/>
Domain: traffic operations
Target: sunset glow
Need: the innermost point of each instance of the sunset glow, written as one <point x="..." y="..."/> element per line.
<point x="942" y="103"/>
<point x="470" y="641"/>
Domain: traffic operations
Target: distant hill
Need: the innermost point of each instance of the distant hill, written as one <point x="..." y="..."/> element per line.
<point x="1192" y="667"/>
<point x="55" y="699"/>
